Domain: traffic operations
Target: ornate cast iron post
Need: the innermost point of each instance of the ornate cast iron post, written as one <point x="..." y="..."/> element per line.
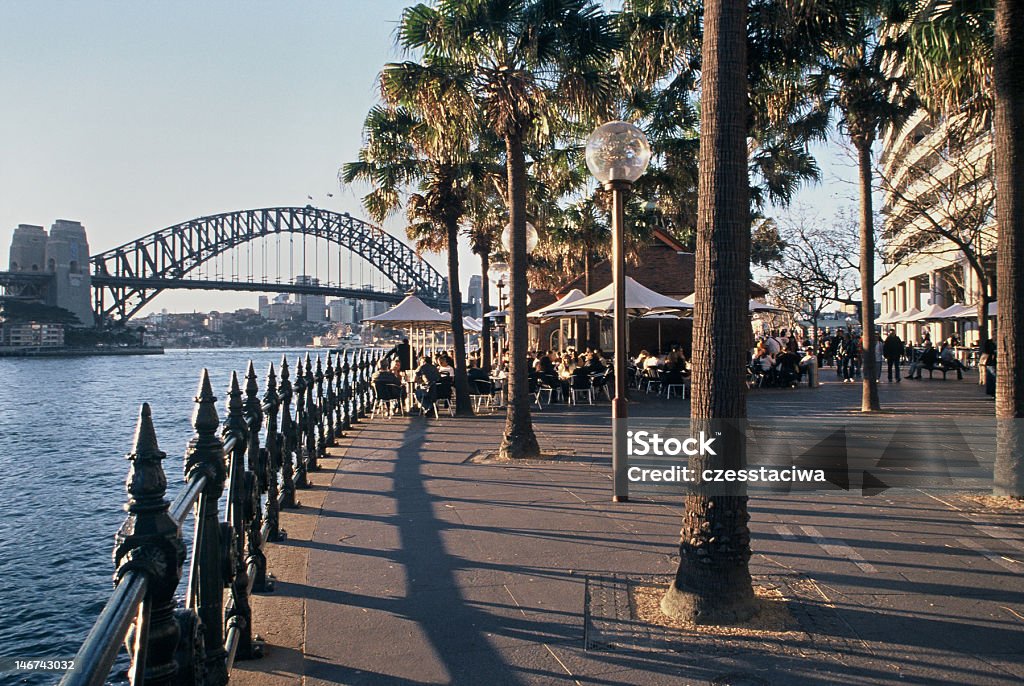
<point x="271" y="403"/>
<point x="301" y="427"/>
<point x="288" y="433"/>
<point x="339" y="398"/>
<point x="311" y="418"/>
<point x="256" y="478"/>
<point x="239" y="614"/>
<point x="350" y="403"/>
<point x="331" y="399"/>
<point x="149" y="543"/>
<point x="212" y="574"/>
<point x="321" y="438"/>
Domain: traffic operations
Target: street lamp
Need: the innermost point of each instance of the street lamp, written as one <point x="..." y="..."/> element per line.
<point x="532" y="238"/>
<point x="617" y="155"/>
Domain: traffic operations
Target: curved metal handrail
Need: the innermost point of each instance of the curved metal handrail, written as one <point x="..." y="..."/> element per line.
<point x="260" y="455"/>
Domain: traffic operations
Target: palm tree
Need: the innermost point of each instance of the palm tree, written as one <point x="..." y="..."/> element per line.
<point x="1009" y="146"/>
<point x="855" y="79"/>
<point x="712" y="584"/>
<point x="521" y="68"/>
<point x="400" y="152"/>
<point x="970" y="57"/>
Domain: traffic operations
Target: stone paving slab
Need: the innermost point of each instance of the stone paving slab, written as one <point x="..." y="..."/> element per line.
<point x="421" y="568"/>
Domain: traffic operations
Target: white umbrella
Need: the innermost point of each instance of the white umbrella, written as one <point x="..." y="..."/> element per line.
<point x="753" y="305"/>
<point x="471" y="324"/>
<point x="886" y="318"/>
<point x="556" y="309"/>
<point x="412" y="314"/>
<point x="907" y="316"/>
<point x="639" y="300"/>
<point x="958" y="311"/>
<point x="929" y="313"/>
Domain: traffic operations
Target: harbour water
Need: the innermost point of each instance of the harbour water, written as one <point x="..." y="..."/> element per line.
<point x="65" y="427"/>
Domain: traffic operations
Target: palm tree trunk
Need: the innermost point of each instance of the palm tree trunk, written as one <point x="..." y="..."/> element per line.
<point x="485" y="305"/>
<point x="1009" y="157"/>
<point x="712" y="584"/>
<point x="519" y="440"/>
<point x="463" y="403"/>
<point x="869" y="395"/>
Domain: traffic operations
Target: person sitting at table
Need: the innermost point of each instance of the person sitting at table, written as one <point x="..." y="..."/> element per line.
<point x="396" y="368"/>
<point x="479" y="381"/>
<point x="426" y="376"/>
<point x="444" y="365"/>
<point x="642" y="358"/>
<point x="386" y="384"/>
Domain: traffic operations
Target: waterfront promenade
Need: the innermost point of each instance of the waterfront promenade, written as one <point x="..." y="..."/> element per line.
<point x="408" y="564"/>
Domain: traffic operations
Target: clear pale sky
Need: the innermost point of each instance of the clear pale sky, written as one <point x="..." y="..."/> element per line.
<point x="133" y="116"/>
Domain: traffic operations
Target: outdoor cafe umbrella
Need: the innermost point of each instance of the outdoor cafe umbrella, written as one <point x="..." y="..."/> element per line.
<point x="753" y="305"/>
<point x="412" y="314"/>
<point x="640" y="300"/>
<point x="557" y="308"/>
<point x="907" y="316"/>
<point x="931" y="313"/>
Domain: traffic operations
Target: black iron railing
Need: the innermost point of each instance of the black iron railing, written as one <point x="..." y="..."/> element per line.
<point x="261" y="455"/>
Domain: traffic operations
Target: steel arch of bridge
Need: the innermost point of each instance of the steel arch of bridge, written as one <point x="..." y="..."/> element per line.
<point x="132" y="274"/>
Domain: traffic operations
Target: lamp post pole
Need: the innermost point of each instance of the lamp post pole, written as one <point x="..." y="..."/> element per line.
<point x="617" y="155"/>
<point x="620" y="408"/>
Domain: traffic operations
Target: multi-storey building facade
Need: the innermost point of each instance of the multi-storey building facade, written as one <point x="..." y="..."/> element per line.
<point x="938" y="207"/>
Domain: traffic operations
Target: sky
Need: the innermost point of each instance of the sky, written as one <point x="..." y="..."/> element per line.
<point x="134" y="116"/>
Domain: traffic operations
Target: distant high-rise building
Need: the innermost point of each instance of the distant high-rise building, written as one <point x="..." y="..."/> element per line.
<point x="475" y="297"/>
<point x="315" y="305"/>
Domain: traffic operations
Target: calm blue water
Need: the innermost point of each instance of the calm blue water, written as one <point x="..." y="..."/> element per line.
<point x="65" y="427"/>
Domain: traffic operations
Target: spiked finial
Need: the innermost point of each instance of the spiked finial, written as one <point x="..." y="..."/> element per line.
<point x="204" y="418"/>
<point x="271" y="397"/>
<point x="147" y="483"/>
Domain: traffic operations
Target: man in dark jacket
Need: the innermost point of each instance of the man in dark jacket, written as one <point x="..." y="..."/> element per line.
<point x="892" y="351"/>
<point x="404" y="354"/>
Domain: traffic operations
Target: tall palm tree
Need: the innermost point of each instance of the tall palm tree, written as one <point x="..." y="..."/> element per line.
<point x="712" y="584"/>
<point x="525" y="66"/>
<point x="855" y="79"/>
<point x="969" y="56"/>
<point x="400" y="153"/>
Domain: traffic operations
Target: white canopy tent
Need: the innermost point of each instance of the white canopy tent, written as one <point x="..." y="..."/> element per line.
<point x="958" y="311"/>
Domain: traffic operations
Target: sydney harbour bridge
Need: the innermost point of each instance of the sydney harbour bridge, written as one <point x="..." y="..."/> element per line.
<point x="261" y="250"/>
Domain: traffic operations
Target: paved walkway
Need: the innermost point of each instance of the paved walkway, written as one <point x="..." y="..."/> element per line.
<point x="409" y="565"/>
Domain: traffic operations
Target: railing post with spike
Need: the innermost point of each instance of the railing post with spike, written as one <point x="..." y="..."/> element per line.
<point x="256" y="478"/>
<point x="239" y="613"/>
<point x="321" y="438"/>
<point x="350" y="391"/>
<point x="288" y="428"/>
<point x="331" y="399"/>
<point x="311" y="418"/>
<point x="301" y="427"/>
<point x="339" y="403"/>
<point x="149" y="543"/>
<point x="271" y="403"/>
<point x="205" y="455"/>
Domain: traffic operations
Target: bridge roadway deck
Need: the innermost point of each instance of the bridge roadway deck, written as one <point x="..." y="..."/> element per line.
<point x="408" y="565"/>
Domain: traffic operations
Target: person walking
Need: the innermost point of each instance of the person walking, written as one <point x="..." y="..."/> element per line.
<point x="892" y="350"/>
